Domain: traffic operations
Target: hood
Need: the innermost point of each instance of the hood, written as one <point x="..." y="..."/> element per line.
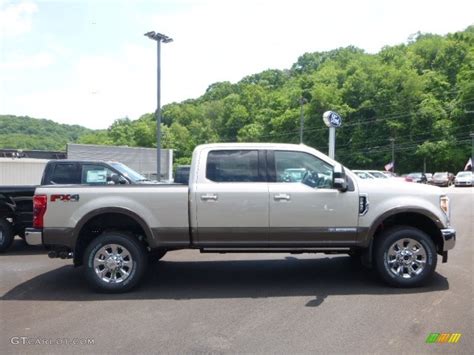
<point x="397" y="187"/>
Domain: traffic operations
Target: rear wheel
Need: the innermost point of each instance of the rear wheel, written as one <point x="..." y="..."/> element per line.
<point x="6" y="235"/>
<point x="405" y="257"/>
<point x="114" y="262"/>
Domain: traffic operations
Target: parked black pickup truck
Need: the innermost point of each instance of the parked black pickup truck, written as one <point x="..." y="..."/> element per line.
<point x="16" y="202"/>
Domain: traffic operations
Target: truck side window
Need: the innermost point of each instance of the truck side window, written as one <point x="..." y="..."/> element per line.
<point x="65" y="173"/>
<point x="303" y="168"/>
<point x="96" y="175"/>
<point x="233" y="166"/>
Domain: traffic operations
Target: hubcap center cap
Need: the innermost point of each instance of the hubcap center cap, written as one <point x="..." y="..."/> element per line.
<point x="113" y="262"/>
<point x="405" y="257"/>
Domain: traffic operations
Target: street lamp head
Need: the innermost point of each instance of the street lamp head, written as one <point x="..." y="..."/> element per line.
<point x="158" y="37"/>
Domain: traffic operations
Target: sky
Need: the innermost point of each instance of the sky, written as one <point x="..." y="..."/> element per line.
<point x="87" y="62"/>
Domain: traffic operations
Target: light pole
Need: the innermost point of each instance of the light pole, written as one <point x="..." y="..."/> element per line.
<point x="472" y="152"/>
<point x="392" y="140"/>
<point x="302" y="102"/>
<point x="158" y="37"/>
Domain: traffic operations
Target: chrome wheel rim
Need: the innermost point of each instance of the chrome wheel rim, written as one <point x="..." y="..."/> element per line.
<point x="406" y="258"/>
<point x="113" y="263"/>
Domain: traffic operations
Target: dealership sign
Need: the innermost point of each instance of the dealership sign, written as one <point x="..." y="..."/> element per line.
<point x="332" y="119"/>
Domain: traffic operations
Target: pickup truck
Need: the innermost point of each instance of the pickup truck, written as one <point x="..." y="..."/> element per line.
<point x="247" y="198"/>
<point x="16" y="202"/>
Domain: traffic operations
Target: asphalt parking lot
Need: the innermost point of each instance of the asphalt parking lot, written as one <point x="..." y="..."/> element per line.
<point x="245" y="303"/>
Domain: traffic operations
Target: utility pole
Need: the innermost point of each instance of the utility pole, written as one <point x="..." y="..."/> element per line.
<point x="302" y="102"/>
<point x="158" y="37"/>
<point x="392" y="141"/>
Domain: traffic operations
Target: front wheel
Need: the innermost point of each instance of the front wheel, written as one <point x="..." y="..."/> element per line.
<point x="6" y="235"/>
<point x="115" y="262"/>
<point x="405" y="257"/>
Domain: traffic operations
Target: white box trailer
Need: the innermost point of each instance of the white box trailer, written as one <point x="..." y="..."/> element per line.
<point x="21" y="171"/>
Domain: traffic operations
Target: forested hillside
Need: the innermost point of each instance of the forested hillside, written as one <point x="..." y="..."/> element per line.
<point x="30" y="133"/>
<point x="420" y="93"/>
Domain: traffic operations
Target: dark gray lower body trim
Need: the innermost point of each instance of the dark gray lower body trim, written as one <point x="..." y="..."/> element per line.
<point x="59" y="236"/>
<point x="231" y="235"/>
<point x="171" y="237"/>
<point x="363" y="236"/>
<point x="274" y="237"/>
<point x="324" y="235"/>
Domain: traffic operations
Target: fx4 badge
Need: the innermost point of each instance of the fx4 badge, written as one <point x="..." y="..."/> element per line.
<point x="65" y="198"/>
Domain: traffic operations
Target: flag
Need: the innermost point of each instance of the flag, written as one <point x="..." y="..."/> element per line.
<point x="468" y="164"/>
<point x="389" y="166"/>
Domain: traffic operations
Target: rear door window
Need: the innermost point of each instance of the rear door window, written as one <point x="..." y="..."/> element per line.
<point x="66" y="173"/>
<point x="233" y="166"/>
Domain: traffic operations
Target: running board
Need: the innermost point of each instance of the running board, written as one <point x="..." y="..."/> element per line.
<point x="328" y="250"/>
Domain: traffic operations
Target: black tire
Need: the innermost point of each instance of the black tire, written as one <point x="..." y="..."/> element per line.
<point x="402" y="234"/>
<point x="124" y="242"/>
<point x="6" y="235"/>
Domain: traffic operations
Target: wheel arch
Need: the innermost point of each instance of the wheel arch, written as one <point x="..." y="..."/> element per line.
<point x="96" y="222"/>
<point x="416" y="217"/>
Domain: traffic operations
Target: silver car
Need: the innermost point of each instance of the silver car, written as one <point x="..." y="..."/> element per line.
<point x="463" y="178"/>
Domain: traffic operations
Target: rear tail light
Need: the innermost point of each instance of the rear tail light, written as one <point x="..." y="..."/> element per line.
<point x="40" y="203"/>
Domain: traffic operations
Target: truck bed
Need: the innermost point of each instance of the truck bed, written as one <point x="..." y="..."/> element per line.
<point x="161" y="207"/>
<point x="18" y="190"/>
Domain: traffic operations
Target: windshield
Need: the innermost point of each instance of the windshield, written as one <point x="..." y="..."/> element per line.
<point x="415" y="175"/>
<point x="440" y="175"/>
<point x="363" y="175"/>
<point x="378" y="174"/>
<point x="464" y="174"/>
<point x="129" y="173"/>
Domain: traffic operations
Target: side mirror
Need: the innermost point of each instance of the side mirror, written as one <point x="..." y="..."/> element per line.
<point x="117" y="179"/>
<point x="339" y="178"/>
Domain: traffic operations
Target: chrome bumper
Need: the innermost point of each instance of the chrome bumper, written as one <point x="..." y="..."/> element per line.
<point x="449" y="238"/>
<point x="34" y="236"/>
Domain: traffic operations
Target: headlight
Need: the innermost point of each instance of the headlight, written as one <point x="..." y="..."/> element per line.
<point x="444" y="205"/>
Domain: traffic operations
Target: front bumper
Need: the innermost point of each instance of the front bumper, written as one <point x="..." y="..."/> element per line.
<point x="463" y="183"/>
<point x="449" y="238"/>
<point x="34" y="236"/>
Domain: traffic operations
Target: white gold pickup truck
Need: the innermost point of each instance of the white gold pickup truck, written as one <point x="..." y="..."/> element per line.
<point x="245" y="198"/>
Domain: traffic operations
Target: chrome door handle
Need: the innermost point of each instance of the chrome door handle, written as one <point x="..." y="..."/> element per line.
<point x="208" y="197"/>
<point x="279" y="197"/>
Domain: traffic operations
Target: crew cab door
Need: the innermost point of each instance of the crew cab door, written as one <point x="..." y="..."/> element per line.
<point x="305" y="209"/>
<point x="232" y="199"/>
